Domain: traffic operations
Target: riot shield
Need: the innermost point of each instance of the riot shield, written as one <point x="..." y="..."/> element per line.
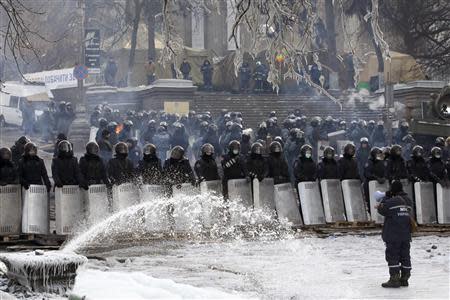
<point x="373" y="187"/>
<point x="425" y="205"/>
<point x="240" y="190"/>
<point x="263" y="195"/>
<point x="151" y="192"/>
<point x="96" y="203"/>
<point x="311" y="203"/>
<point x="286" y="203"/>
<point x="408" y="188"/>
<point x="124" y="196"/>
<point x="211" y="207"/>
<point x="10" y="209"/>
<point x="213" y="187"/>
<point x="333" y="204"/>
<point x="185" y="189"/>
<point x="443" y="204"/>
<point x="355" y="207"/>
<point x="35" y="210"/>
<point x="68" y="208"/>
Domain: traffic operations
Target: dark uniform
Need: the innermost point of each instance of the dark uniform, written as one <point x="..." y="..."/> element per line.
<point x="256" y="163"/>
<point x="206" y="167"/>
<point x="362" y="154"/>
<point x="233" y="165"/>
<point x="150" y="166"/>
<point x="92" y="168"/>
<point x="32" y="168"/>
<point x="328" y="167"/>
<point x="348" y="166"/>
<point x="375" y="169"/>
<point x="120" y="168"/>
<point x="177" y="169"/>
<point x="417" y="166"/>
<point x="438" y="169"/>
<point x="396" y="209"/>
<point x="396" y="167"/>
<point x="65" y="169"/>
<point x="8" y="171"/>
<point x="18" y="149"/>
<point x="277" y="165"/>
<point x="305" y="167"/>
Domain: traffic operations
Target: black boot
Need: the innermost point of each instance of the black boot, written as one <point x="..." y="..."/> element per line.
<point x="393" y="282"/>
<point x="404" y="279"/>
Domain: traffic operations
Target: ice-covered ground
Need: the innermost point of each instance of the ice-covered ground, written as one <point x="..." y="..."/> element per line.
<point x="347" y="267"/>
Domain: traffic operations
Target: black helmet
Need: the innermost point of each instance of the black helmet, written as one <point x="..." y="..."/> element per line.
<point x="417" y="151"/>
<point x="149" y="149"/>
<point x="305" y="148"/>
<point x="177" y="153"/>
<point x="30" y="149"/>
<point x="128" y="124"/>
<point x="375" y="152"/>
<point x="23" y="140"/>
<point x="279" y="139"/>
<point x="275" y="147"/>
<point x="112" y="125"/>
<point x="436" y="152"/>
<point x="5" y="153"/>
<point x="121" y="148"/>
<point x="396" y="150"/>
<point x="272" y="114"/>
<point x="328" y="152"/>
<point x="257" y="148"/>
<point x="151" y="124"/>
<point x="440" y="142"/>
<point x="364" y="140"/>
<point x="64" y="147"/>
<point x="386" y="151"/>
<point x="207" y="149"/>
<point x="349" y="149"/>
<point x="234" y="145"/>
<point x="102" y="122"/>
<point x="92" y="148"/>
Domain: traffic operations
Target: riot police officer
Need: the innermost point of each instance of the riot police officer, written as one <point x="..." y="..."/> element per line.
<point x="328" y="167"/>
<point x="126" y="132"/>
<point x="438" y="170"/>
<point x="417" y="167"/>
<point x="233" y="165"/>
<point x="8" y="171"/>
<point x="92" y="167"/>
<point x="256" y="163"/>
<point x="177" y="169"/>
<point x="102" y="123"/>
<point x="149" y="168"/>
<point x="17" y="150"/>
<point x="134" y="151"/>
<point x="112" y="126"/>
<point x="206" y="167"/>
<point x="396" y="167"/>
<point x="362" y="154"/>
<point x="65" y="169"/>
<point x="374" y="169"/>
<point x="120" y="168"/>
<point x="305" y="167"/>
<point x="32" y="168"/>
<point x="277" y="165"/>
<point x="348" y="166"/>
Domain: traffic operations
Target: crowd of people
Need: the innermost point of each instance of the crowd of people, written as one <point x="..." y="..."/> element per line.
<point x="160" y="148"/>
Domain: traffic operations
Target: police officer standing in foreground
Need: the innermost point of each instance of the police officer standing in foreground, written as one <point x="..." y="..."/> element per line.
<point x="396" y="208"/>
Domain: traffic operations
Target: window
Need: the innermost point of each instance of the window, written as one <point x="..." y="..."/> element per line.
<point x="13" y="101"/>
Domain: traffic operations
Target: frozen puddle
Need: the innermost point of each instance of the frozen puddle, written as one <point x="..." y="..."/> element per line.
<point x="308" y="268"/>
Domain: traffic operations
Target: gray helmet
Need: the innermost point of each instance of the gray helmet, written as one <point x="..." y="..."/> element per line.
<point x="177" y="153"/>
<point x="121" y="148"/>
<point x="5" y="153"/>
<point x="92" y="148"/>
<point x="149" y="149"/>
<point x="64" y="147"/>
<point x="208" y="149"/>
<point x="275" y="147"/>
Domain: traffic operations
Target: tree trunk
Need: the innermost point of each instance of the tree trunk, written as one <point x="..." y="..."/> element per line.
<point x="378" y="53"/>
<point x="150" y="21"/>
<point x="137" y="17"/>
<point x="331" y="42"/>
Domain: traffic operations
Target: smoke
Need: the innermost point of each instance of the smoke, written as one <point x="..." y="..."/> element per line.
<point x="375" y="103"/>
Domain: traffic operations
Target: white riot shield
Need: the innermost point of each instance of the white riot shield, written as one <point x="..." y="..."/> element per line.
<point x="211" y="208"/>
<point x="10" y="209"/>
<point x="68" y="208"/>
<point x="213" y="187"/>
<point x="263" y="195"/>
<point x="240" y="190"/>
<point x="321" y="147"/>
<point x="408" y="188"/>
<point x="373" y="187"/>
<point x="150" y="192"/>
<point x="333" y="204"/>
<point x="35" y="210"/>
<point x="355" y="207"/>
<point x="286" y="203"/>
<point x="124" y="196"/>
<point x="443" y="204"/>
<point x="311" y="203"/>
<point x="425" y="205"/>
<point x="93" y="134"/>
<point x="341" y="146"/>
<point x="96" y="203"/>
<point x="185" y="189"/>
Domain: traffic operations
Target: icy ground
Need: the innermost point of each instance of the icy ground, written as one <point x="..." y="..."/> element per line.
<point x="348" y="267"/>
